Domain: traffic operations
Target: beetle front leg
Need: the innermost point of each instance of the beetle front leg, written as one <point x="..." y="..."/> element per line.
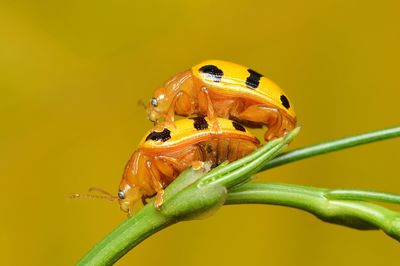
<point x="205" y="103"/>
<point x="177" y="164"/>
<point x="157" y="185"/>
<point x="269" y="116"/>
<point x="181" y="104"/>
<point x="170" y="115"/>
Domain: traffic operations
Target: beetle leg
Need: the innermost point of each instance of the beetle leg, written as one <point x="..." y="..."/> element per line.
<point x="215" y="128"/>
<point x="178" y="164"/>
<point x="144" y="202"/>
<point x="157" y="185"/>
<point x="197" y="165"/>
<point x="192" y="156"/>
<point x="269" y="116"/>
<point x="210" y="108"/>
<point x="182" y="104"/>
<point x="144" y="198"/>
<point x="170" y="116"/>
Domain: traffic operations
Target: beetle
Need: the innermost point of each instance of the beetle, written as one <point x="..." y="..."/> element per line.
<point x="216" y="88"/>
<point x="164" y="153"/>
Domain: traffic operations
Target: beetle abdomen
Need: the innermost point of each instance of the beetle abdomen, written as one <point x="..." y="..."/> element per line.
<point x="220" y="150"/>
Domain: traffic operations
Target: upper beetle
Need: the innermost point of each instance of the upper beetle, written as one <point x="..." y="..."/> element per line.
<point x="216" y="88"/>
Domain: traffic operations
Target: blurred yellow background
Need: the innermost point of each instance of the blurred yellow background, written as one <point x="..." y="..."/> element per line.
<point x="71" y="73"/>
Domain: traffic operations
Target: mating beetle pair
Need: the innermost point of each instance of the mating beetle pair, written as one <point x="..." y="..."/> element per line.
<point x="215" y="91"/>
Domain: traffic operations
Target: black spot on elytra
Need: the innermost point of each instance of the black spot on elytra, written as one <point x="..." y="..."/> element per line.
<point x="199" y="123"/>
<point x="163" y="135"/>
<point x="285" y="101"/>
<point x="253" y="80"/>
<point x="211" y="72"/>
<point x="238" y="126"/>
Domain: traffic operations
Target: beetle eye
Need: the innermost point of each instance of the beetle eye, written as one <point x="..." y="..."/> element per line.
<point x="121" y="194"/>
<point x="154" y="102"/>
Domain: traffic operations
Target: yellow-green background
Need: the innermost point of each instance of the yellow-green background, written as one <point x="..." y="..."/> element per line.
<point x="71" y="73"/>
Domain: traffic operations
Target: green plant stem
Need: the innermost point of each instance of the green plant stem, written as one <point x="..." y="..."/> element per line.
<point x="351" y="194"/>
<point x="330" y="146"/>
<point x="239" y="171"/>
<point x="127" y="235"/>
<point x="356" y="214"/>
<point x="135" y="229"/>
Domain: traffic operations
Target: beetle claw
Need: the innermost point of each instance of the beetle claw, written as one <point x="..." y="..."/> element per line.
<point x="159" y="200"/>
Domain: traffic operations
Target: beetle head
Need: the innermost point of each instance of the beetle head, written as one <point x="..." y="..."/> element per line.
<point x="132" y="183"/>
<point x="128" y="195"/>
<point x="159" y="104"/>
<point x="165" y="96"/>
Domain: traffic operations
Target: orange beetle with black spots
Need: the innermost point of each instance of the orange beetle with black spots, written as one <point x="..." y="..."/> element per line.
<point x="164" y="153"/>
<point x="216" y="88"/>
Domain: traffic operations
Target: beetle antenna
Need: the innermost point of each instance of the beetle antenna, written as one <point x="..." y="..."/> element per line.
<point x="89" y="196"/>
<point x="106" y="195"/>
<point x="102" y="191"/>
<point x="141" y="103"/>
